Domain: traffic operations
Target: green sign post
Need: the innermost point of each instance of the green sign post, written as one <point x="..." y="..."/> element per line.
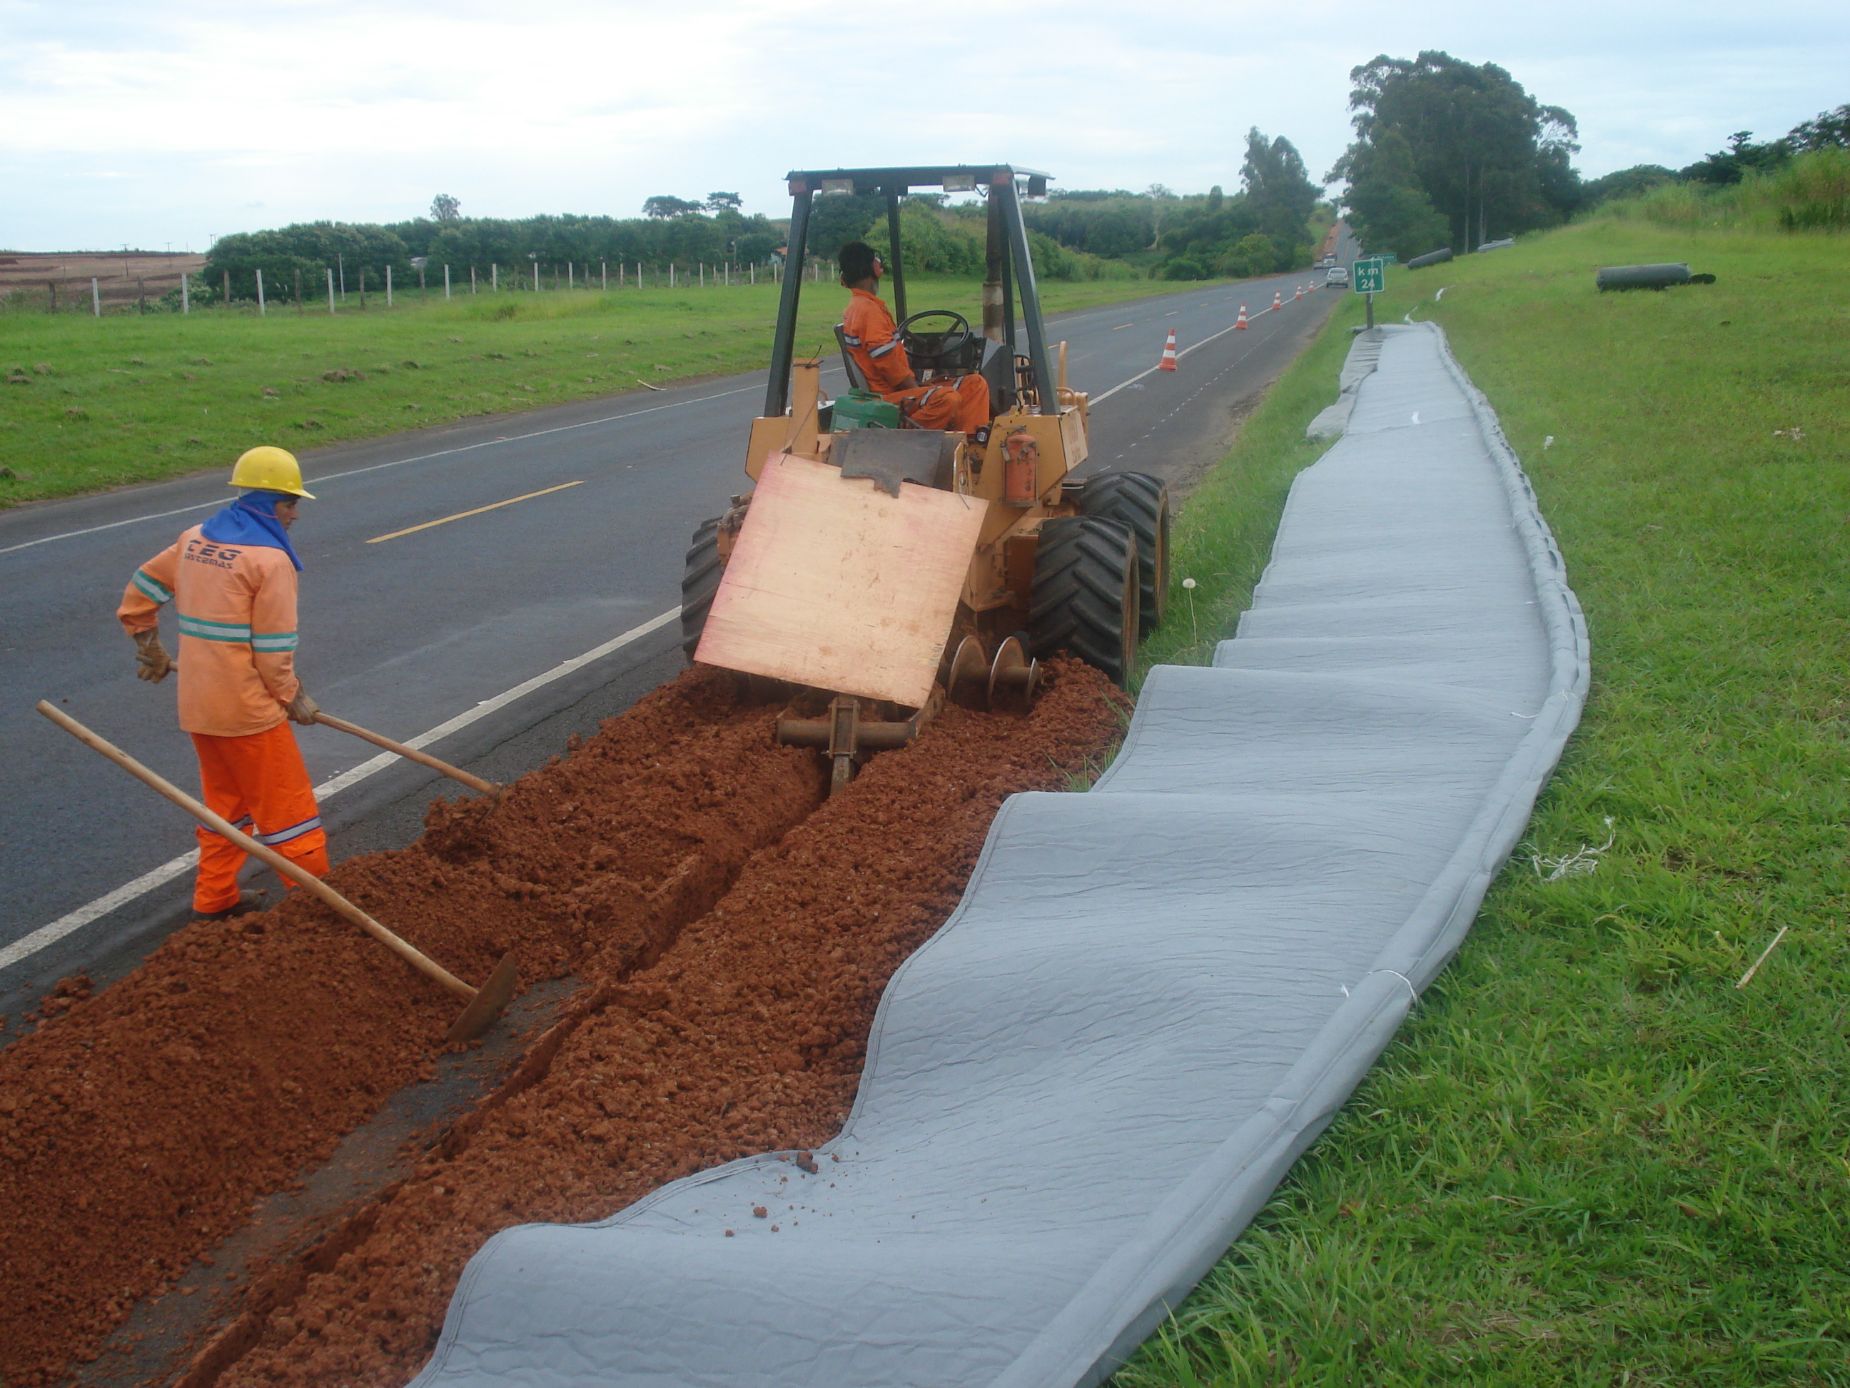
<point x="1369" y="277"/>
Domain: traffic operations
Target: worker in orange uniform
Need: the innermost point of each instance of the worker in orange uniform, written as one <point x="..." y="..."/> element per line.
<point x="873" y="341"/>
<point x="232" y="579"/>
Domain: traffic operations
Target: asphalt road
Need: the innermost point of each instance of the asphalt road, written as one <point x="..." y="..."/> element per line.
<point x="485" y="619"/>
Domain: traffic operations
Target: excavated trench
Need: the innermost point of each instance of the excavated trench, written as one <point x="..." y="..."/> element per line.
<point x="723" y="933"/>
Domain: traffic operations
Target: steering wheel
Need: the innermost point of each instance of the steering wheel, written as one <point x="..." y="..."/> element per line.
<point x="950" y="341"/>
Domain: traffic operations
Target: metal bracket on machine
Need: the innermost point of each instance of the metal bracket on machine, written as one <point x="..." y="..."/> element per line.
<point x="847" y="738"/>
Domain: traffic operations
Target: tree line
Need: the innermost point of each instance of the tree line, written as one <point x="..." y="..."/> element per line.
<point x="1450" y="153"/>
<point x="1268" y="225"/>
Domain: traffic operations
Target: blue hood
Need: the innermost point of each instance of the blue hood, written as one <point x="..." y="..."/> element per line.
<point x="251" y="520"/>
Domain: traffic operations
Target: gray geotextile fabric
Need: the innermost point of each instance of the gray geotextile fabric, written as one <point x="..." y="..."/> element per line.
<point x="1153" y="996"/>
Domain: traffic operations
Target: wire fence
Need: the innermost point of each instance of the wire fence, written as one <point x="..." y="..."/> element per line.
<point x="140" y="288"/>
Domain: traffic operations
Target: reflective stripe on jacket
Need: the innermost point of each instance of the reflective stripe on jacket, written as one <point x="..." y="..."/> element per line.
<point x="237" y="616"/>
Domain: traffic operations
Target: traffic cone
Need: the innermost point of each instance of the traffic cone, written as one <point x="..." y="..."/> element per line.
<point x="1240" y="323"/>
<point x="1300" y="293"/>
<point x="1277" y="301"/>
<point x="1168" y="363"/>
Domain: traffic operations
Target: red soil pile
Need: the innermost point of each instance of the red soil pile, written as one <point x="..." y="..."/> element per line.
<point x="746" y="1035"/>
<point x="139" y="1126"/>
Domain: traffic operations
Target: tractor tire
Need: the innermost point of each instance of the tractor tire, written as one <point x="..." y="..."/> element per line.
<point x="1085" y="594"/>
<point x="699" y="582"/>
<point x="1139" y="503"/>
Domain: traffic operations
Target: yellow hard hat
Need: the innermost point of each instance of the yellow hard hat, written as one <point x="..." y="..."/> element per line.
<point x="267" y="468"/>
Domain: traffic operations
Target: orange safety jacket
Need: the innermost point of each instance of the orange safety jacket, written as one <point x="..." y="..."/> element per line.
<point x="873" y="341"/>
<point x="237" y="611"/>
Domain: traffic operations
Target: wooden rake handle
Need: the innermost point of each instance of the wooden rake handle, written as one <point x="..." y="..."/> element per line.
<point x="218" y="824"/>
<point x="455" y="773"/>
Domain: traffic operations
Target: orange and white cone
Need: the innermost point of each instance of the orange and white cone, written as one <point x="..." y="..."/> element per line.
<point x="1168" y="363"/>
<point x="1278" y="301"/>
<point x="1240" y="322"/>
<point x="1300" y="293"/>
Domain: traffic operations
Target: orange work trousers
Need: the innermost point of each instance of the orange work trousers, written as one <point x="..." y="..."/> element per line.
<point x="260" y="784"/>
<point x="961" y="404"/>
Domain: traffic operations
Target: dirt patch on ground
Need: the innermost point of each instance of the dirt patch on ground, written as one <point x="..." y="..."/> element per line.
<point x="61" y="281"/>
<point x="734" y="932"/>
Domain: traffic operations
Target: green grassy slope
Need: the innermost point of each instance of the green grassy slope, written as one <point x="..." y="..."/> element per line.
<point x="1593" y="1156"/>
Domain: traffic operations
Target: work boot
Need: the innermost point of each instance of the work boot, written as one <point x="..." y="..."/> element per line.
<point x="246" y="903"/>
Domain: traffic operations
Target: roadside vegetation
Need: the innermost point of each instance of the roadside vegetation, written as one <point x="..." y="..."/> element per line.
<point x="88" y="403"/>
<point x="1611" y="1144"/>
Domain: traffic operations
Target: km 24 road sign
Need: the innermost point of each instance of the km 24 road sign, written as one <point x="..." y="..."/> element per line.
<point x="1370" y="276"/>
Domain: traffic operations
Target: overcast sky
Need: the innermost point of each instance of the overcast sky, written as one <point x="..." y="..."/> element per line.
<point x="163" y="125"/>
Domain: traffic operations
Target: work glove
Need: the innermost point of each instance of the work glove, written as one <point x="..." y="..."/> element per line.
<point x="303" y="709"/>
<point x="151" y="660"/>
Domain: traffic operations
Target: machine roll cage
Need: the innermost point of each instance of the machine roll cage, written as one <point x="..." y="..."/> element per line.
<point x="1008" y="258"/>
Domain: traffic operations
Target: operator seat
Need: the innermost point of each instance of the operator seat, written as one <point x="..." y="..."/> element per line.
<point x="855" y="378"/>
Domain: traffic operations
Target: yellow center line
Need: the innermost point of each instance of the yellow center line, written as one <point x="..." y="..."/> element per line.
<point x="464" y="515"/>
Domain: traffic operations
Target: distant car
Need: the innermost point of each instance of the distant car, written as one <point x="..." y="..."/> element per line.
<point x="1336" y="274"/>
<point x="1329" y="260"/>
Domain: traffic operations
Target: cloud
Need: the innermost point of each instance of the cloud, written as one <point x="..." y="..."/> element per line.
<point x="188" y="109"/>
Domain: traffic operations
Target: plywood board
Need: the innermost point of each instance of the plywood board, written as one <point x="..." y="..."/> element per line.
<point x="835" y="584"/>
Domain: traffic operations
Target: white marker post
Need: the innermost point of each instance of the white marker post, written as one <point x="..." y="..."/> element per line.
<point x="388" y="284"/>
<point x="446" y="281"/>
<point x="536" y="277"/>
<point x="261" y="310"/>
<point x="330" y="290"/>
<point x="96" y="299"/>
<point x="185" y="304"/>
<point x="604" y="269"/>
<point x="494" y="277"/>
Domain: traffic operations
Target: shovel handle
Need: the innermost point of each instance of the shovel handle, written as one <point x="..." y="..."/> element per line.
<point x="455" y="773"/>
<point x="218" y="824"/>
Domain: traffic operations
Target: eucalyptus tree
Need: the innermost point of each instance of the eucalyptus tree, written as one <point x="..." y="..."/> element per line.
<point x="1484" y="153"/>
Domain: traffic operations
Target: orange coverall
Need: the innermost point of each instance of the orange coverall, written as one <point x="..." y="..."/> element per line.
<point x="873" y="342"/>
<point x="237" y="612"/>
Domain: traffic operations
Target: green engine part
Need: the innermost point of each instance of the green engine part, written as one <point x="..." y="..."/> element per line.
<point x="862" y="409"/>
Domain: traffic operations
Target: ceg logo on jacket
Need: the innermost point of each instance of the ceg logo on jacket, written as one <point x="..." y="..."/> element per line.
<point x="202" y="551"/>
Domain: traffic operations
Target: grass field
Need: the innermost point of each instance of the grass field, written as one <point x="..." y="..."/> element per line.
<point x="88" y="403"/>
<point x="1594" y="1155"/>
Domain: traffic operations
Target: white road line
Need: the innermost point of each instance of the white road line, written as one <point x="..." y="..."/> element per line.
<point x="323" y="479"/>
<point x="45" y="935"/>
<point x="1101" y="399"/>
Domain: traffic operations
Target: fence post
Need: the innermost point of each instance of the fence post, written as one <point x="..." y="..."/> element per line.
<point x="472" y="279"/>
<point x="96" y="299"/>
<point x="260" y="307"/>
<point x="604" y="267"/>
<point x="494" y="277"/>
<point x="185" y="306"/>
<point x="446" y="282"/>
<point x="536" y="277"/>
<point x="330" y="289"/>
<point x="388" y="284"/>
<point x="570" y="281"/>
<point x="639" y="274"/>
<point x="671" y="274"/>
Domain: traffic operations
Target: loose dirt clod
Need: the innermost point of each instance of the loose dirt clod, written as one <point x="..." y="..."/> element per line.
<point x="734" y="931"/>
